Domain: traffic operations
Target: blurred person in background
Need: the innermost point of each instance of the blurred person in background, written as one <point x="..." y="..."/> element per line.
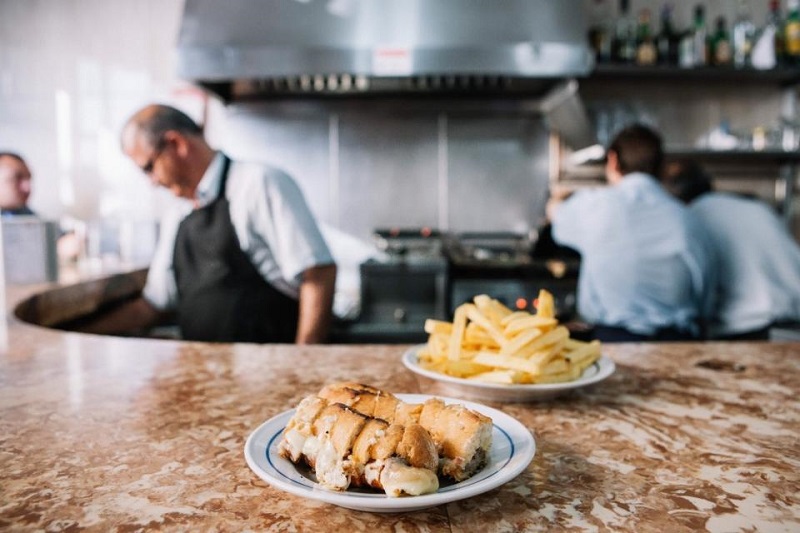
<point x="243" y="260"/>
<point x="644" y="273"/>
<point x="758" y="277"/>
<point x="15" y="185"/>
<point x="15" y="191"/>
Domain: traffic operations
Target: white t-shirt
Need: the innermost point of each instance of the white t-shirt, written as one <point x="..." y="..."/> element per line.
<point x="272" y="221"/>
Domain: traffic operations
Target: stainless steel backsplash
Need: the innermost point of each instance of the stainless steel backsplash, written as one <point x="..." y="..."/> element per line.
<point x="368" y="165"/>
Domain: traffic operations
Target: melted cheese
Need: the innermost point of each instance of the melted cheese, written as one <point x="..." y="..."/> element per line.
<point x="293" y="442"/>
<point x="398" y="478"/>
<point x="329" y="466"/>
<point x="372" y="473"/>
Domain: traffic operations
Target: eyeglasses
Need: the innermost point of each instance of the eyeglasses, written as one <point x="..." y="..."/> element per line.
<point x="147" y="168"/>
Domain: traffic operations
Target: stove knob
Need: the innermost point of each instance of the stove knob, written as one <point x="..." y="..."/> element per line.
<point x="399" y="315"/>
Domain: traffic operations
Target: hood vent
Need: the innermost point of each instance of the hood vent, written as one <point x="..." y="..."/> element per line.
<point x="342" y="85"/>
<point x="256" y="49"/>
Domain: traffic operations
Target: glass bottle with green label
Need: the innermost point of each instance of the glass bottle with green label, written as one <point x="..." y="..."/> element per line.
<point x="721" y="53"/>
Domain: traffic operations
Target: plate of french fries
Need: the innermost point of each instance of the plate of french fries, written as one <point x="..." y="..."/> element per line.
<point x="493" y="353"/>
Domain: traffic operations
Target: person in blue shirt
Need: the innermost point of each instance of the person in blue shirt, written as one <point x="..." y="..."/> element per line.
<point x="758" y="281"/>
<point x="15" y="190"/>
<point x="645" y="267"/>
<point x="15" y="185"/>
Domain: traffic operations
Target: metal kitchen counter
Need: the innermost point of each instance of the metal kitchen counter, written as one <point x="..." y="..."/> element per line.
<point x="116" y="434"/>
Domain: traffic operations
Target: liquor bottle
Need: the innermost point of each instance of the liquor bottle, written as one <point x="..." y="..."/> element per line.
<point x="775" y="21"/>
<point x="768" y="45"/>
<point x="700" y="37"/>
<point x="601" y="31"/>
<point x="668" y="40"/>
<point x="720" y="44"/>
<point x="646" y="53"/>
<point x="791" y="33"/>
<point x="624" y="48"/>
<point x="743" y="35"/>
<point x="686" y="50"/>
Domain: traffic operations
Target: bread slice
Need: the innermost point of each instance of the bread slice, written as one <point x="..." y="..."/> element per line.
<point x="463" y="436"/>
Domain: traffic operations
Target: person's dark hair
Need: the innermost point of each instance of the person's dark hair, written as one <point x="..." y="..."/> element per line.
<point x="163" y="118"/>
<point x="686" y="179"/>
<point x="638" y="149"/>
<point x="13" y="155"/>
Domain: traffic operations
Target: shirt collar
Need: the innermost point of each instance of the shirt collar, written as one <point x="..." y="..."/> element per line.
<point x="208" y="188"/>
<point x="16" y="211"/>
<point x="638" y="180"/>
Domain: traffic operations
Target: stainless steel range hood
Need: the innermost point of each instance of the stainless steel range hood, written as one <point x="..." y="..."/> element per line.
<point x="255" y="49"/>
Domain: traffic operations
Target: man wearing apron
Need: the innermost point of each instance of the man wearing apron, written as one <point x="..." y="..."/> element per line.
<point x="243" y="260"/>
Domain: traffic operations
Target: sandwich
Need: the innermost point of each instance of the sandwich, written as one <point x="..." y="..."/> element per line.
<point x="463" y="437"/>
<point x="345" y="447"/>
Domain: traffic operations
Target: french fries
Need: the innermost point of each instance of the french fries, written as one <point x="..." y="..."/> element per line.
<point x="489" y="342"/>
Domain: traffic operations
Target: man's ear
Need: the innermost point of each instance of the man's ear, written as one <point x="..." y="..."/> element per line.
<point x="178" y="141"/>
<point x="613" y="173"/>
<point x="612" y="161"/>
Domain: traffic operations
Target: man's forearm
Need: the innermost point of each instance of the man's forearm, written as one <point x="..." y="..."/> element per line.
<point x="316" y="303"/>
<point x="129" y="317"/>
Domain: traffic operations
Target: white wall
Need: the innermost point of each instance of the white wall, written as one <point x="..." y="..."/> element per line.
<point x="72" y="72"/>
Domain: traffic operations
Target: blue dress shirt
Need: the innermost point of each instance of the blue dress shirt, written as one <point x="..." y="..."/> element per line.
<point x="645" y="265"/>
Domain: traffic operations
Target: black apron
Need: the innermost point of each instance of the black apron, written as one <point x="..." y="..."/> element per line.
<point x="221" y="296"/>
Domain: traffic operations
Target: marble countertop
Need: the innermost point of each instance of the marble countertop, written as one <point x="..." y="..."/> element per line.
<point x="122" y="434"/>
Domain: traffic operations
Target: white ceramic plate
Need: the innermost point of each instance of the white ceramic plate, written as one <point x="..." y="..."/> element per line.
<point x="496" y="392"/>
<point x="513" y="448"/>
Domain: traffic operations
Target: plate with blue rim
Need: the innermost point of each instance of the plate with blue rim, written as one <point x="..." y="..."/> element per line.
<point x="512" y="450"/>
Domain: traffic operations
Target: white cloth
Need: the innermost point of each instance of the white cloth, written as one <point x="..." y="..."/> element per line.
<point x="643" y="265"/>
<point x="758" y="279"/>
<point x="270" y="217"/>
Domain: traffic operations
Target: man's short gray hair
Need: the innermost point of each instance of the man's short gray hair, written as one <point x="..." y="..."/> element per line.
<point x="163" y="118"/>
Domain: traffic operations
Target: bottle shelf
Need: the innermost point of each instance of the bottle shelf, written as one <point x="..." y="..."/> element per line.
<point x="739" y="156"/>
<point x="742" y="158"/>
<point x="780" y="75"/>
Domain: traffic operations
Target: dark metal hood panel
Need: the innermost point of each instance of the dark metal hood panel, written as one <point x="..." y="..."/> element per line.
<point x="261" y="48"/>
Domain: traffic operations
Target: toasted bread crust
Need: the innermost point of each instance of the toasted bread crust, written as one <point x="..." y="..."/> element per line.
<point x="462" y="436"/>
<point x="366" y="444"/>
<point x="363" y="398"/>
<point x="341" y="424"/>
<point x="417" y="448"/>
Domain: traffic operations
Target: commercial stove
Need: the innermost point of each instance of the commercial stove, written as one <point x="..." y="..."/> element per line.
<point x="427" y="274"/>
<point x="404" y="288"/>
<point x="512" y="268"/>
